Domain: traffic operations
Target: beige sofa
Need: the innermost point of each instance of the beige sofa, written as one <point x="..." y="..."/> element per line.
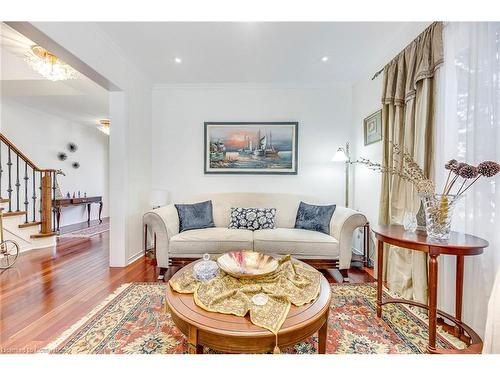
<point x="329" y="251"/>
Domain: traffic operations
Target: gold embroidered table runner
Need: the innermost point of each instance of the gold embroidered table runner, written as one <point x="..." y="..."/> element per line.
<point x="292" y="283"/>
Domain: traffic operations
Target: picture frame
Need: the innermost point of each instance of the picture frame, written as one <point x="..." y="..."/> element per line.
<point x="372" y="126"/>
<point x="258" y="148"/>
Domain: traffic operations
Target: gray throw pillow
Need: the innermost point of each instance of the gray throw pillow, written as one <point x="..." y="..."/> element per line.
<point x="252" y="218"/>
<point x="312" y="217"/>
<point x="195" y="216"/>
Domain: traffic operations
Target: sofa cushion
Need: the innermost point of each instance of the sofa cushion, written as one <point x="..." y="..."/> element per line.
<point x="313" y="217"/>
<point x="210" y="240"/>
<point x="195" y="216"/>
<point x="252" y="218"/>
<point x="298" y="242"/>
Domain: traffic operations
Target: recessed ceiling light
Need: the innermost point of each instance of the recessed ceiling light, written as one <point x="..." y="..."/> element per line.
<point x="324" y="58"/>
<point x="178" y="60"/>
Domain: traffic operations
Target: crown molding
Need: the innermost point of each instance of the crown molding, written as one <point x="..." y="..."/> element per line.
<point x="247" y="86"/>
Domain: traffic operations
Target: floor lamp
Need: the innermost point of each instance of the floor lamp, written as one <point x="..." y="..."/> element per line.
<point x="343" y="155"/>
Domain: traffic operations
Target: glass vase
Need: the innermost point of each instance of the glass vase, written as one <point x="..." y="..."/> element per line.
<point x="438" y="214"/>
<point x="410" y="222"/>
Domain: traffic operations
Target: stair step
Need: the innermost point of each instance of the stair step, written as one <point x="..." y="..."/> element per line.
<point x="43" y="235"/>
<point x="14" y="213"/>
<point x="32" y="224"/>
<point x="4" y="200"/>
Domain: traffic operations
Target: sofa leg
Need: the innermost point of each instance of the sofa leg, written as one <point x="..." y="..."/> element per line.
<point x="161" y="275"/>
<point x="345" y="275"/>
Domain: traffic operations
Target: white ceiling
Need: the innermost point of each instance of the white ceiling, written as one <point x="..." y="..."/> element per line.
<point x="255" y="52"/>
<point x="79" y="100"/>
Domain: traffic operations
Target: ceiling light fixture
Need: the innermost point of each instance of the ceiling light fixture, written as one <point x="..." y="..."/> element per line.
<point x="104" y="126"/>
<point x="178" y="60"/>
<point x="49" y="65"/>
<point x="324" y="58"/>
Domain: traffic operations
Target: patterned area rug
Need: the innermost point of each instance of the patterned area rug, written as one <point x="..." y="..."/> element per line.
<point x="133" y="321"/>
<point x="87" y="232"/>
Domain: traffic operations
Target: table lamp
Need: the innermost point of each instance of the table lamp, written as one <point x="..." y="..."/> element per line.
<point x="159" y="198"/>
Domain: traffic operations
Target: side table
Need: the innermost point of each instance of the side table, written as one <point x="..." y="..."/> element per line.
<point x="459" y="245"/>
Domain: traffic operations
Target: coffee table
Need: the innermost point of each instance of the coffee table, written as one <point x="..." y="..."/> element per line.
<point x="235" y="334"/>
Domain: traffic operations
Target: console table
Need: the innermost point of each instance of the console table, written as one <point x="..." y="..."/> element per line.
<point x="459" y="245"/>
<point x="58" y="204"/>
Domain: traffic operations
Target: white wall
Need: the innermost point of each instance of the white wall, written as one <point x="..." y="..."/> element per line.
<point x="179" y="113"/>
<point x="41" y="136"/>
<point x="130" y="138"/>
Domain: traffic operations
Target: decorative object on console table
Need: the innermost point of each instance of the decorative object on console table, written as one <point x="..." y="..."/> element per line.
<point x="372" y="126"/>
<point x="438" y="207"/>
<point x="459" y="245"/>
<point x="58" y="204"/>
<point x="251" y="147"/>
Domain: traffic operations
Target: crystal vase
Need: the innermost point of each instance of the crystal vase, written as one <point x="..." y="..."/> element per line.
<point x="438" y="214"/>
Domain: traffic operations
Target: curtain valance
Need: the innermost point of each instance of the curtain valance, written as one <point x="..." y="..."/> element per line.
<point x="417" y="61"/>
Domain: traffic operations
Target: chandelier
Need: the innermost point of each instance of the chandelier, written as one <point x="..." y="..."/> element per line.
<point x="104" y="126"/>
<point x="49" y="65"/>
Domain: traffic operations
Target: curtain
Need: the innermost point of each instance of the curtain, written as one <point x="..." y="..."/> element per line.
<point x="469" y="107"/>
<point x="408" y="96"/>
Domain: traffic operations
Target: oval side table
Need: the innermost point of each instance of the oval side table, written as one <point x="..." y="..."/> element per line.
<point x="459" y="245"/>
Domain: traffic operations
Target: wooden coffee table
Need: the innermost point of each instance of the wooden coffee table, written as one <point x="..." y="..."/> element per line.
<point x="234" y="334"/>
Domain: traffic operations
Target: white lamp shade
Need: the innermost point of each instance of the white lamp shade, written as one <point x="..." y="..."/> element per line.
<point x="159" y="198"/>
<point x="340" y="155"/>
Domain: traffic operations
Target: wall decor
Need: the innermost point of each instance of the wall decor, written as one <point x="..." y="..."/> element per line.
<point x="72" y="147"/>
<point x="251" y="147"/>
<point x="373" y="128"/>
<point x="62" y="156"/>
<point x="75" y="165"/>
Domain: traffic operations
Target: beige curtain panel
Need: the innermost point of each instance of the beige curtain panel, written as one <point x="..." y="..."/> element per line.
<point x="408" y="97"/>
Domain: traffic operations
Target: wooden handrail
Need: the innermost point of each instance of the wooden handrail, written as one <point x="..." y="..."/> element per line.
<point x="28" y="161"/>
<point x="47" y="187"/>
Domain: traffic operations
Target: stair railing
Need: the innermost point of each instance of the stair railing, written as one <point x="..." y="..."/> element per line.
<point x="43" y="183"/>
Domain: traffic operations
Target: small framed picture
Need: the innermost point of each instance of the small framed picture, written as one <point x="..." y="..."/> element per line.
<point x="373" y="128"/>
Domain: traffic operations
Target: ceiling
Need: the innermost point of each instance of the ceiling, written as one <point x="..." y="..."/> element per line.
<point x="79" y="100"/>
<point x="254" y="52"/>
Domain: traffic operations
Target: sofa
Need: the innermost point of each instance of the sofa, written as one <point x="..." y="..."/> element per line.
<point x="318" y="249"/>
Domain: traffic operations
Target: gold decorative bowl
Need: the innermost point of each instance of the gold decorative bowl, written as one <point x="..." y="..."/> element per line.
<point x="247" y="264"/>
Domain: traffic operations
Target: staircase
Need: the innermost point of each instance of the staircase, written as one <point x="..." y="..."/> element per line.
<point x="26" y="195"/>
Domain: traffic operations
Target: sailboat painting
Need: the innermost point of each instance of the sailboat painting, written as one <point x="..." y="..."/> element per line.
<point x="251" y="147"/>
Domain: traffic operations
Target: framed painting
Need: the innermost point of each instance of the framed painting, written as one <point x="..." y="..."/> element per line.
<point x="251" y="147"/>
<point x="373" y="128"/>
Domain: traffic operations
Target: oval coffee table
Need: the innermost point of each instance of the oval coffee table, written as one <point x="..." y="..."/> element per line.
<point x="235" y="334"/>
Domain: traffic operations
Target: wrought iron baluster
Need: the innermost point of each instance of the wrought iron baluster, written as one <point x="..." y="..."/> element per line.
<point x="34" y="195"/>
<point x="26" y="178"/>
<point x="17" y="182"/>
<point x="41" y="196"/>
<point x="9" y="171"/>
<point x="53" y="199"/>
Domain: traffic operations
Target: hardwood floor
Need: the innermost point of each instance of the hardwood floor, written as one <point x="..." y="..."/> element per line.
<point x="50" y="289"/>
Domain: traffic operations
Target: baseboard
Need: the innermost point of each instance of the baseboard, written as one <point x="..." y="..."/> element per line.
<point x="134" y="257"/>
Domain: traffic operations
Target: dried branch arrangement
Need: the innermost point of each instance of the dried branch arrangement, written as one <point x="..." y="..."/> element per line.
<point x="461" y="176"/>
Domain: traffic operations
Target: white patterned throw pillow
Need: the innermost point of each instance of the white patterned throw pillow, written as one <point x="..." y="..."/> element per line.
<point x="252" y="218"/>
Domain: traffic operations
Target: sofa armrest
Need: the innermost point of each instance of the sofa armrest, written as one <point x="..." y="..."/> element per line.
<point x="164" y="222"/>
<point x="344" y="222"/>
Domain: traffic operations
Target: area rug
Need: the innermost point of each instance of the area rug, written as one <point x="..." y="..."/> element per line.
<point x="87" y="232"/>
<point x="133" y="321"/>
